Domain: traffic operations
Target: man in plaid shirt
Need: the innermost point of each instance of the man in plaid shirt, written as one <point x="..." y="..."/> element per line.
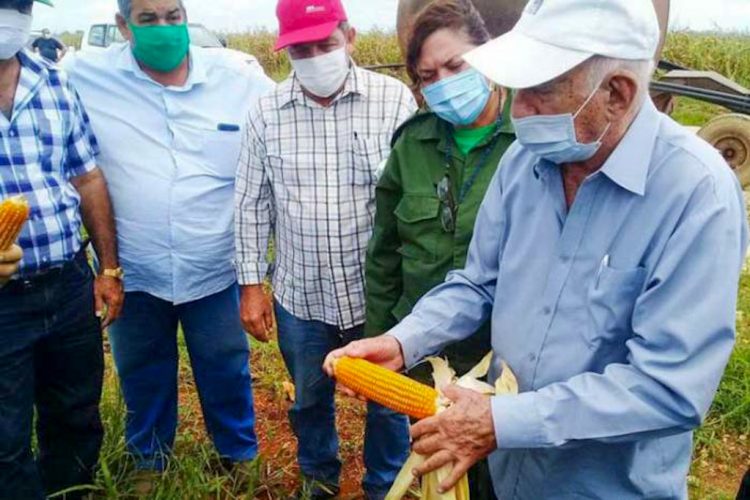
<point x="308" y="171"/>
<point x="50" y="336"/>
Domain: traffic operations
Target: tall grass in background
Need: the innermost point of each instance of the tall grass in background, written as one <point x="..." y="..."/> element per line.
<point x="725" y="53"/>
<point x="372" y="48"/>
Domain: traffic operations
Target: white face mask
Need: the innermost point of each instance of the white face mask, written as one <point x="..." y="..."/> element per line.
<point x="323" y="75"/>
<point x="14" y="32"/>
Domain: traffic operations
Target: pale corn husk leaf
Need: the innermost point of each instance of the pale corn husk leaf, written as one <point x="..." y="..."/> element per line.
<point x="481" y="370"/>
<point x="442" y="373"/>
<point x="441" y="475"/>
<point x="476" y="386"/>
<point x="462" y="488"/>
<point x="506" y="383"/>
<point x="405" y="477"/>
<point x="289" y="390"/>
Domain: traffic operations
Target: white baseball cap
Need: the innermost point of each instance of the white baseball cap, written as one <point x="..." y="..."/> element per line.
<point x="554" y="36"/>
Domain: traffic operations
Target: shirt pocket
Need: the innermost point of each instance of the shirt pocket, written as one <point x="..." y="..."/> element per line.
<point x="418" y="227"/>
<point x="611" y="301"/>
<point x="369" y="153"/>
<point x="221" y="149"/>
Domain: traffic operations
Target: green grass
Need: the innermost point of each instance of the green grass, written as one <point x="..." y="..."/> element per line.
<point x="194" y="472"/>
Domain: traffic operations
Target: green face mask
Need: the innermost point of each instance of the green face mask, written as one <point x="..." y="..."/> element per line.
<point x="161" y="48"/>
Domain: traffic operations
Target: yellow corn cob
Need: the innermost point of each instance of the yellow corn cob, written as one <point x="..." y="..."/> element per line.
<point x="387" y="388"/>
<point x="13" y="214"/>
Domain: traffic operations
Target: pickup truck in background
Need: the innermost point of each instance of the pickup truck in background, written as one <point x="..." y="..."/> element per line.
<point x="100" y="36"/>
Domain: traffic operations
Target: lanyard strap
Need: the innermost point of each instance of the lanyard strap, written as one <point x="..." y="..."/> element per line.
<point x="483" y="160"/>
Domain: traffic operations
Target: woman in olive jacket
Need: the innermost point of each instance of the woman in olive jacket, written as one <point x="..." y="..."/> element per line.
<point x="441" y="165"/>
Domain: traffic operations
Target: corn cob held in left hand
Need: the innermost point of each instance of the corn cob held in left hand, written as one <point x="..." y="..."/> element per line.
<point x="14" y="212"/>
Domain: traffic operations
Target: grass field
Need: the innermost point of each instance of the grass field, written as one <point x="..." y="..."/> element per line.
<point x="722" y="445"/>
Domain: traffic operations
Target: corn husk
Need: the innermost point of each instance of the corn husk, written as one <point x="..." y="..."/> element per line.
<point x="444" y="375"/>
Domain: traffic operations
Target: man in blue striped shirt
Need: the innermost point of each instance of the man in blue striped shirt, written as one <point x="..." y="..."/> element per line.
<point x="50" y="336"/>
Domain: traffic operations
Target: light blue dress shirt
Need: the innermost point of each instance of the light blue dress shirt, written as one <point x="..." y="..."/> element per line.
<point x="170" y="156"/>
<point x="617" y="316"/>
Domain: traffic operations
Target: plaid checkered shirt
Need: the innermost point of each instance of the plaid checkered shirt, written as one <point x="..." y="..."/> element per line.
<point x="47" y="142"/>
<point x="307" y="174"/>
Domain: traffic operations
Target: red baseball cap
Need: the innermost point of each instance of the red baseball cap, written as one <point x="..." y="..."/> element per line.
<point x="306" y="21"/>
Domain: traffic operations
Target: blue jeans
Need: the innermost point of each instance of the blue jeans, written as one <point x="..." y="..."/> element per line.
<point x="144" y="345"/>
<point x="50" y="358"/>
<point x="304" y="346"/>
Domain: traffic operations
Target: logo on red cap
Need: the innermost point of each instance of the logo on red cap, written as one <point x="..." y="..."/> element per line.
<point x="314" y="9"/>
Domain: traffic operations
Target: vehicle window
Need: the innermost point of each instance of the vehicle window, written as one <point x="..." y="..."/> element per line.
<point x="113" y="35"/>
<point x="98" y="35"/>
<point x="202" y="37"/>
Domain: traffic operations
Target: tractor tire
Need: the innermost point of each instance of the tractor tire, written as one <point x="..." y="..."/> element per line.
<point x="730" y="134"/>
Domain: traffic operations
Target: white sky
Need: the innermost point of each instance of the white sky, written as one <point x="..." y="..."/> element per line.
<point x="241" y="15"/>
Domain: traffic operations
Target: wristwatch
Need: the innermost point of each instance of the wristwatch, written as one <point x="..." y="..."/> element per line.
<point x="117" y="274"/>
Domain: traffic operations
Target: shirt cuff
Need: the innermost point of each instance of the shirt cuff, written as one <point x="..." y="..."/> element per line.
<point x="78" y="169"/>
<point x="517" y="421"/>
<point x="249" y="274"/>
<point x="411" y="342"/>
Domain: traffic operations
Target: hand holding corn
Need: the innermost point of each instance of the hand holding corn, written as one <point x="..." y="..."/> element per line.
<point x="9" y="260"/>
<point x="383" y="350"/>
<point x="13" y="215"/>
<point x="457" y="438"/>
<point x="457" y="429"/>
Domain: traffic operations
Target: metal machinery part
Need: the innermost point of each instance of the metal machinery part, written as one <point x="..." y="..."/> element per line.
<point x="730" y="134"/>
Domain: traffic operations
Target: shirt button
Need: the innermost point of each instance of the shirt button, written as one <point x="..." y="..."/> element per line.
<point x="565" y="259"/>
<point x="532" y="357"/>
<point x="546" y="311"/>
<point x="13" y="133"/>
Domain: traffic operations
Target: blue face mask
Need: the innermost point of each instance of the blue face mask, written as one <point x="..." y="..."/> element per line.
<point x="459" y="99"/>
<point x="553" y="137"/>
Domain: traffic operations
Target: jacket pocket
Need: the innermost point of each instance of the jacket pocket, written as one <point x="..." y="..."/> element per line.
<point x="611" y="301"/>
<point x="418" y="226"/>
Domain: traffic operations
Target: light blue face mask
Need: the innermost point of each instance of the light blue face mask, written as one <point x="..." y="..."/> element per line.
<point x="553" y="137"/>
<point x="459" y="99"/>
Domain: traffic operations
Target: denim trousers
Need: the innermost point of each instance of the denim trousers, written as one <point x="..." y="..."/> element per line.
<point x="145" y="348"/>
<point x="50" y="359"/>
<point x="304" y="346"/>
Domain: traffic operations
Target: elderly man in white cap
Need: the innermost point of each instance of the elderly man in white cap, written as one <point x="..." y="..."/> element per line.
<point x="607" y="253"/>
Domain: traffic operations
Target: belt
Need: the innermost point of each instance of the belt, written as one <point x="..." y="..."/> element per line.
<point x="45" y="276"/>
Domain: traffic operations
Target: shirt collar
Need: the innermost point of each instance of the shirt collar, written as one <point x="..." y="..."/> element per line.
<point x="198" y="73"/>
<point x="354" y="84"/>
<point x="33" y="73"/>
<point x="629" y="163"/>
